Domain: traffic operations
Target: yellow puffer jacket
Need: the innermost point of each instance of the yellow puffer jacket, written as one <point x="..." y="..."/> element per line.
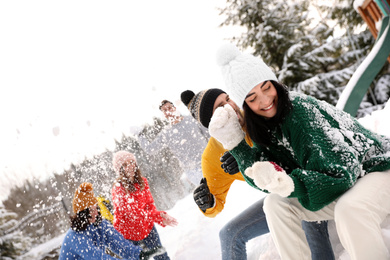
<point x="105" y="208"/>
<point x="218" y="180"/>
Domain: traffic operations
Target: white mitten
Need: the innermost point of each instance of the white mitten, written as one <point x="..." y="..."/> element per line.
<point x="225" y="127"/>
<point x="270" y="176"/>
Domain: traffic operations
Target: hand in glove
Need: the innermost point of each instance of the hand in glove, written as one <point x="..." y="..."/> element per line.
<point x="225" y="127"/>
<point x="270" y="176"/>
<point x="229" y="163"/>
<point x="203" y="197"/>
<point x="149" y="253"/>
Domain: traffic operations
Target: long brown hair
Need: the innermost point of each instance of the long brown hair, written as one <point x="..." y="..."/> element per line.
<point x="127" y="184"/>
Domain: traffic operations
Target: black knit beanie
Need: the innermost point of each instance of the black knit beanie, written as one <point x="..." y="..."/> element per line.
<point x="201" y="105"/>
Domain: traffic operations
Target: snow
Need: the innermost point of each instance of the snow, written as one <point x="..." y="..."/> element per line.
<point x="378" y="121"/>
<point x="196" y="236"/>
<point x="39" y="251"/>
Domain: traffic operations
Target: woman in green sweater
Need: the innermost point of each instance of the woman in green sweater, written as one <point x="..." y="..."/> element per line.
<point x="317" y="162"/>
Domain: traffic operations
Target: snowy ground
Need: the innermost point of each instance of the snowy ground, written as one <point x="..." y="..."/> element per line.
<point x="196" y="236"/>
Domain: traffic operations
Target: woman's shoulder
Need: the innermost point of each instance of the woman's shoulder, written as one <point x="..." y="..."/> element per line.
<point x="305" y="109"/>
<point x="311" y="105"/>
<point x="73" y="234"/>
<point x="303" y="103"/>
<point x="301" y="98"/>
<point x="117" y="188"/>
<point x="300" y="102"/>
<point x="70" y="233"/>
<point x="146" y="183"/>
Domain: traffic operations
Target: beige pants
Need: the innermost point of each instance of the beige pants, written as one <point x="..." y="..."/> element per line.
<point x="358" y="214"/>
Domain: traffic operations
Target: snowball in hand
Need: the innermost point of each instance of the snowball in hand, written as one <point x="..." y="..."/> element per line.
<point x="270" y="176"/>
<point x="225" y="127"/>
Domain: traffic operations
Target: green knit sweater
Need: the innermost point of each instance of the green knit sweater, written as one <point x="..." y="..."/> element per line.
<point x="324" y="150"/>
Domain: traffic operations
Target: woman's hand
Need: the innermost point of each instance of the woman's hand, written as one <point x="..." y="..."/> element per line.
<point x="229" y="163"/>
<point x="225" y="127"/>
<point x="271" y="177"/>
<point x="168" y="220"/>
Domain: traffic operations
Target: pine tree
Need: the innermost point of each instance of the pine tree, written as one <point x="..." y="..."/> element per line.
<point x="315" y="56"/>
<point x="271" y="27"/>
<point x="382" y="89"/>
<point x="12" y="244"/>
<point x="327" y="68"/>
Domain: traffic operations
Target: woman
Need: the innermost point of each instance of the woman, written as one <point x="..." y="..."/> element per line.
<point x="211" y="194"/>
<point x="89" y="235"/>
<point x="134" y="209"/>
<point x="326" y="165"/>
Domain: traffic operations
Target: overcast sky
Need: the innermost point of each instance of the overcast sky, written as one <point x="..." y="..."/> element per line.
<point x="76" y="74"/>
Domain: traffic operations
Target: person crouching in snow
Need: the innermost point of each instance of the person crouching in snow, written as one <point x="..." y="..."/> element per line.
<point x="90" y="235"/>
<point x="134" y="209"/>
<point x="328" y="165"/>
<point x="211" y="194"/>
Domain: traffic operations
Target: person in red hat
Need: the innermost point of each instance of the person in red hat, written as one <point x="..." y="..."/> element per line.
<point x="134" y="209"/>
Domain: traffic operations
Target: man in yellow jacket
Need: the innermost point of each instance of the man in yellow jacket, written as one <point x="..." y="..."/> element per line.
<point x="210" y="195"/>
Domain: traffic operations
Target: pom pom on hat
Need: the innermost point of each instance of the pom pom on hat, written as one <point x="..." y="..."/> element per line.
<point x="201" y="105"/>
<point x="83" y="197"/>
<point x="120" y="158"/>
<point x="186" y="96"/>
<point x="226" y="53"/>
<point x="241" y="72"/>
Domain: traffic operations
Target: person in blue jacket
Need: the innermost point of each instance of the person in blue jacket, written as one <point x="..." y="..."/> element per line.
<point x="90" y="234"/>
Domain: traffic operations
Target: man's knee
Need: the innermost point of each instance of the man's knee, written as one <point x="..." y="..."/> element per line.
<point x="224" y="232"/>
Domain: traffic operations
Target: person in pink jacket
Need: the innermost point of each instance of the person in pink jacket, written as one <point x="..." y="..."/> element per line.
<point x="134" y="209"/>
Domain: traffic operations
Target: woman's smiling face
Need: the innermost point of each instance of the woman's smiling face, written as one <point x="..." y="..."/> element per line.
<point x="263" y="99"/>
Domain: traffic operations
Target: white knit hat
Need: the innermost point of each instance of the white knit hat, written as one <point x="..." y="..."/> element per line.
<point x="241" y="72"/>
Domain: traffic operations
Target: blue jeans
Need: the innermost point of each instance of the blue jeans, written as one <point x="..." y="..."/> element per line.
<point x="151" y="241"/>
<point x="317" y="237"/>
<point x="251" y="223"/>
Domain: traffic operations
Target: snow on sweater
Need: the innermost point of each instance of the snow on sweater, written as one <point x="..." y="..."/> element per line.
<point x="323" y="149"/>
<point x="134" y="213"/>
<point x="92" y="242"/>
